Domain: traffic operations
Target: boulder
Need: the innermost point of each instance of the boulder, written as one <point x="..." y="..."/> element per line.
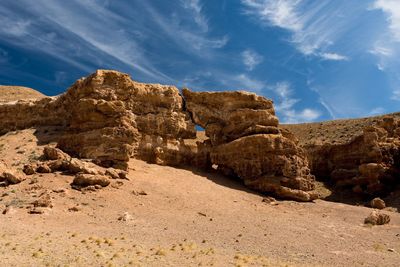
<point x="9" y="175"/>
<point x="377" y="218"/>
<point x="84" y="180"/>
<point x="378" y="203"/>
<point x="52" y="153"/>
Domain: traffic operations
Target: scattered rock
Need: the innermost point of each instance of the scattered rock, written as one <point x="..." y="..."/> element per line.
<point x="9" y="176"/>
<point x="43" y="168"/>
<point x="36" y="210"/>
<point x="29" y="169"/>
<point x="44" y="202"/>
<point x="52" y="153"/>
<point x="378" y="203"/>
<point x="82" y="179"/>
<point x="90" y="188"/>
<point x="74" y="209"/>
<point x="377" y="218"/>
<point x="270" y="200"/>
<point x="9" y="210"/>
<point x="117" y="184"/>
<point x="139" y="193"/>
<point x="116" y="174"/>
<point x="60" y="190"/>
<point x="126" y="217"/>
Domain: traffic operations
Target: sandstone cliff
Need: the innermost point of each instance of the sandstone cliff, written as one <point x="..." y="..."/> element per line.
<point x="109" y="118"/>
<point x="367" y="160"/>
<point x="245" y="141"/>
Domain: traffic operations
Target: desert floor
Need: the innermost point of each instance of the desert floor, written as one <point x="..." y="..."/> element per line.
<point x="165" y="216"/>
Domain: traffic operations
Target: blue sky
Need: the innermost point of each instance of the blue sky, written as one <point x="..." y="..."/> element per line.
<point x="317" y="60"/>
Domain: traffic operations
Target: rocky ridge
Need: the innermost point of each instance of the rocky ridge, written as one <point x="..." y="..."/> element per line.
<point x="368" y="162"/>
<point x="109" y="118"/>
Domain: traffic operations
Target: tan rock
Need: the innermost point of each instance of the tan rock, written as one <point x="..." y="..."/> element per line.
<point x="377" y="218"/>
<point x="116" y="174"/>
<point x="43" y="168"/>
<point x="90" y="179"/>
<point x="10" y="176"/>
<point x="378" y="203"/>
<point x="43" y="201"/>
<point x="29" y="169"/>
<point x="52" y="153"/>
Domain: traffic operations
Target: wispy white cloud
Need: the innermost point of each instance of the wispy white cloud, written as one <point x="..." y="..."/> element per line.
<point x="381" y="50"/>
<point x="285" y="106"/>
<point x="196" y="8"/>
<point x="66" y="32"/>
<point x="334" y="57"/>
<point x="251" y="59"/>
<point x="188" y="38"/>
<point x="281" y="13"/>
<point x="315" y="25"/>
<point x="392" y="9"/>
<point x="248" y="83"/>
<point x="387" y="46"/>
<point x="377" y="111"/>
<point x="396" y="95"/>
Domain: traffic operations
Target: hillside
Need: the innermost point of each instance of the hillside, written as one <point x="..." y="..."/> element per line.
<point x="333" y="131"/>
<point x="13" y="93"/>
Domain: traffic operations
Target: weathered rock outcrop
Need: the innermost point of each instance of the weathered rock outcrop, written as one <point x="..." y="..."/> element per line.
<point x="246" y="142"/>
<point x="111" y="116"/>
<point x="108" y="118"/>
<point x="368" y="163"/>
<point x="30" y="113"/>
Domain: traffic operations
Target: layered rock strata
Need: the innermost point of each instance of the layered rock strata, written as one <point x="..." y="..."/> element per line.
<point x="109" y="118"/>
<point x="369" y="163"/>
<point x="246" y="142"/>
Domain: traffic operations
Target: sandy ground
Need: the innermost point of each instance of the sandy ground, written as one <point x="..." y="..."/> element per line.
<point x="165" y="216"/>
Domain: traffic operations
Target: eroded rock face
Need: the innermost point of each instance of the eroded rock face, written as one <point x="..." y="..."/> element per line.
<point x="369" y="163"/>
<point x="30" y="113"/>
<point x="109" y="118"/>
<point x="246" y="142"/>
<point x="227" y="116"/>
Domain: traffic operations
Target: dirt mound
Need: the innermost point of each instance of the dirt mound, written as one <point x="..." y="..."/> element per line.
<point x="14" y="93"/>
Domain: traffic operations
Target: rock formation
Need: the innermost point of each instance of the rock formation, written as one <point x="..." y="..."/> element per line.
<point x="246" y="142"/>
<point x="369" y="163"/>
<point x="109" y="118"/>
<point x="9" y="176"/>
